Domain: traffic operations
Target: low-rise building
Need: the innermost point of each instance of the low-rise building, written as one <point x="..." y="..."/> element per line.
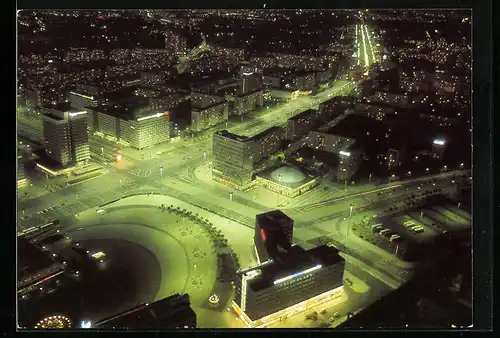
<point x="293" y="283"/>
<point x="349" y="154"/>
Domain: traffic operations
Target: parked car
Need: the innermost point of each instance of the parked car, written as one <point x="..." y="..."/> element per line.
<point x="385" y="232"/>
<point x="395" y="238"/>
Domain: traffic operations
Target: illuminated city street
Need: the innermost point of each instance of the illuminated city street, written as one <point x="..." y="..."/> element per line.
<point x="253" y="186"/>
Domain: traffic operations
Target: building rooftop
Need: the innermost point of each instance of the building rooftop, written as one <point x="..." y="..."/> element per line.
<point x="265" y="132"/>
<point x="295" y="262"/>
<point x="232" y="136"/>
<point x="30" y="258"/>
<point x="168" y="312"/>
<point x="273" y="218"/>
<point x="286" y="176"/>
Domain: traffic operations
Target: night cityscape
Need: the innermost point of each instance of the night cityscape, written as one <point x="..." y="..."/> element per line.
<point x="244" y="168"/>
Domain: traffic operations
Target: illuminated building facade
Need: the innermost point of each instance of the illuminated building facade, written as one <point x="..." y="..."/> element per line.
<point x="171" y="312"/>
<point x="345" y="148"/>
<point x="66" y="136"/>
<point x="438" y="147"/>
<point x="204" y="118"/>
<point x="146" y="131"/>
<point x="267" y="143"/>
<point x="233" y="158"/>
<point x="248" y="102"/>
<point x="138" y="126"/>
<point x="273" y="233"/>
<point x="293" y="283"/>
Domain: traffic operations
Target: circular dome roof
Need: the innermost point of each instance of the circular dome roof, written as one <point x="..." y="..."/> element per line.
<point x="288" y="175"/>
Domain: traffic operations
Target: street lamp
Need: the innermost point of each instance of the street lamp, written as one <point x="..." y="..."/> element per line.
<point x="427" y="169"/>
<point x="161" y="171"/>
<point x="370" y="178"/>
<point x="102" y="151"/>
<point x="231" y="196"/>
<point x="350" y="210"/>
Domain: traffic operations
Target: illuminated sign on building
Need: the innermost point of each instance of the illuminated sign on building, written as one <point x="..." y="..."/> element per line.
<point x="263" y="234"/>
<point x="148" y="117"/>
<point x="81" y="95"/>
<point x="77" y="113"/>
<point x="344" y="153"/>
<point x="439" y="141"/>
<point x="284" y="279"/>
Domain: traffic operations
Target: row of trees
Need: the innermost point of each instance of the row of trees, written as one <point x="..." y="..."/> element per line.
<point x="219" y="239"/>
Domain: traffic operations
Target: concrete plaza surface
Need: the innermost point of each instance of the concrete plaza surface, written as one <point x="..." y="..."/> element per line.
<point x="239" y="237"/>
<point x="183" y="249"/>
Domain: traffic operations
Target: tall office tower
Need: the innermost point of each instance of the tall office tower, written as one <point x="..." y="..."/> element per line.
<point x="233" y="158"/>
<point x="66" y="136"/>
<point x="171" y="312"/>
<point x="273" y="234"/>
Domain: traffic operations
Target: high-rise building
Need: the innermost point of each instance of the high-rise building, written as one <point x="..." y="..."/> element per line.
<point x="171" y="312"/>
<point x="233" y="158"/>
<point x="273" y="234"/>
<point x="293" y="283"/>
<point x="66" y="136"/>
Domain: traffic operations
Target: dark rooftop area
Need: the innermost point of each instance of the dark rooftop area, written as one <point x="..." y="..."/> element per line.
<point x="232" y="136"/>
<point x="308" y="112"/>
<point x="272" y="219"/>
<point x="295" y="261"/>
<point x="30" y="258"/>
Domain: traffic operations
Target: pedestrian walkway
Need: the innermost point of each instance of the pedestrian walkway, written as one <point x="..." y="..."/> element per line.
<point x="240" y="238"/>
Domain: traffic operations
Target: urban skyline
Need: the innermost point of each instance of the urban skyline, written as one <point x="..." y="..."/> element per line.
<point x="244" y="168"/>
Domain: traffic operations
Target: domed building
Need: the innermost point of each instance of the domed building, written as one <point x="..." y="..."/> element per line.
<point x="286" y="180"/>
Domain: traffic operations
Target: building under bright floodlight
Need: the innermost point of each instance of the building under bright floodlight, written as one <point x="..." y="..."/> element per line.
<point x="66" y="136"/>
<point x="293" y="283"/>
